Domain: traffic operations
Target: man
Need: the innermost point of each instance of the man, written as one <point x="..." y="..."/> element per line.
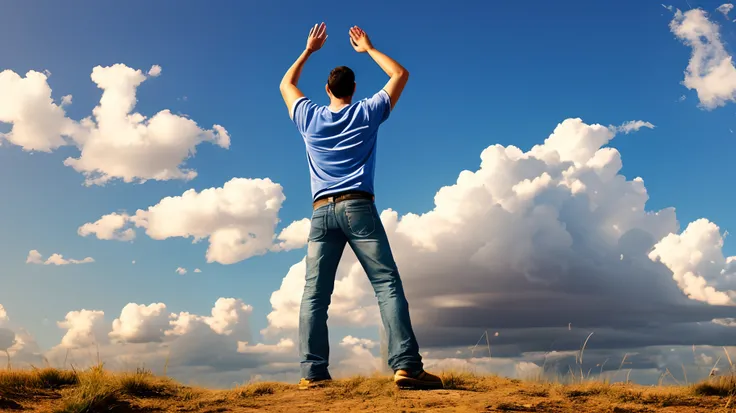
<point x="341" y="151"/>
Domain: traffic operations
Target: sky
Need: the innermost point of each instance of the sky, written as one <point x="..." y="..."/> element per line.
<point x="552" y="169"/>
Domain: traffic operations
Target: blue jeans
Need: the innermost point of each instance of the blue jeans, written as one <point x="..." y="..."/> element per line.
<point x="357" y="223"/>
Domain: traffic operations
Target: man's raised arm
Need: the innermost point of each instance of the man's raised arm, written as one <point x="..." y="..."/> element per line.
<point x="289" y="90"/>
<point x="398" y="74"/>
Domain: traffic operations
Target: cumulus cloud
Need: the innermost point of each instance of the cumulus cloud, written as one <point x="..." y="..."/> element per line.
<point x="84" y="328"/>
<point x="139" y="323"/>
<point x="352" y="302"/>
<point x="3" y="315"/>
<point x="181" y="271"/>
<point x="294" y="236"/>
<point x="533" y="241"/>
<point x="35" y="257"/>
<point x="154" y="71"/>
<point x="284" y="345"/>
<point x="725" y="9"/>
<point x="238" y="219"/>
<point x="38" y="124"/>
<point x="109" y="227"/>
<point x="357" y="356"/>
<point x="114" y="142"/>
<point x="697" y="263"/>
<point x="212" y="349"/>
<point x="711" y="71"/>
<point x="197" y="270"/>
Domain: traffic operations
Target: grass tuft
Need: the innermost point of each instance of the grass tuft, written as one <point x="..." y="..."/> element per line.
<point x="259" y="389"/>
<point x="23" y="382"/>
<point x="94" y="392"/>
<point x="724" y="386"/>
<point x="360" y="387"/>
<point x="143" y="384"/>
<point x="463" y="380"/>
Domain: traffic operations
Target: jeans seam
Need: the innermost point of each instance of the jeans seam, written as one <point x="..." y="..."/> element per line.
<point x="322" y="229"/>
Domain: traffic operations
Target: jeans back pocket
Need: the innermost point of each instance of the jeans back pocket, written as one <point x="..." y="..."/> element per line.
<point x="360" y="219"/>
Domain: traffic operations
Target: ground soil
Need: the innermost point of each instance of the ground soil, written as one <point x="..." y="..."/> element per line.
<point x="465" y="394"/>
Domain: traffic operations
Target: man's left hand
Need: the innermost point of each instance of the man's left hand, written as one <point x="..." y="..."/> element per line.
<point x="317" y="37"/>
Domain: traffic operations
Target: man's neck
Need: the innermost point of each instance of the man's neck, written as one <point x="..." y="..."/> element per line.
<point x="338" y="104"/>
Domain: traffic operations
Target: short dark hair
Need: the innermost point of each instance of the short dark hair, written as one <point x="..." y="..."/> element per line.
<point x="341" y="82"/>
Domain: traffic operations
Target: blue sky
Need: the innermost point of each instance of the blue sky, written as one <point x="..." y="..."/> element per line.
<point x="481" y="73"/>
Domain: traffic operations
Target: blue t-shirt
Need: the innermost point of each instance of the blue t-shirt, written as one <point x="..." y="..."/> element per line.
<point x="341" y="146"/>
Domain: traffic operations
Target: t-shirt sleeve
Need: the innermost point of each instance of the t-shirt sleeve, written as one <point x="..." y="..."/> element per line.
<point x="379" y="107"/>
<point x="302" y="113"/>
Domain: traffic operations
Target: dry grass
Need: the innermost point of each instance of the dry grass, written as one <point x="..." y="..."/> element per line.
<point x="95" y="389"/>
<point x="23" y="382"/>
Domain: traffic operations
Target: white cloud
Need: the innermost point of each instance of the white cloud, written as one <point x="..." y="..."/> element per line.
<point x="670" y="8"/>
<point x="725" y="9"/>
<point x="354" y="341"/>
<point x="139" y="323"/>
<point x="528" y="230"/>
<point x="7" y="339"/>
<point x="109" y="227"/>
<point x="84" y="328"/>
<point x="114" y="142"/>
<point x="154" y="71"/>
<point x="284" y="345"/>
<point x="58" y="259"/>
<point x="698" y="266"/>
<point x="229" y="317"/>
<point x="634" y="126"/>
<point x="728" y="322"/>
<point x="35" y="257"/>
<point x="118" y="144"/>
<point x="353" y="302"/>
<point x="238" y="219"/>
<point x="294" y="236"/>
<point x="206" y="348"/>
<point x="3" y="315"/>
<point x="38" y="124"/>
<point x="197" y="270"/>
<point x="181" y="271"/>
<point x="358" y="358"/>
<point x="710" y="71"/>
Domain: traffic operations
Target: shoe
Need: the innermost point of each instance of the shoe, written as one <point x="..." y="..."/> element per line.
<point x="420" y="380"/>
<point x="306" y="384"/>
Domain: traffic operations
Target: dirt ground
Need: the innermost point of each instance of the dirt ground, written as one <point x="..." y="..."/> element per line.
<point x="466" y="393"/>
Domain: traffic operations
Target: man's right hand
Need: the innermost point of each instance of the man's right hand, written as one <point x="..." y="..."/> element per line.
<point x="359" y="40"/>
<point x="317" y="37"/>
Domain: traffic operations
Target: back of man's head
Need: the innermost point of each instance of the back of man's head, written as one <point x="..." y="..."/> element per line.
<point x="341" y="82"/>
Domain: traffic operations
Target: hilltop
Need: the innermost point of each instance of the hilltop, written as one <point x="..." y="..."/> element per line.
<point x="97" y="390"/>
